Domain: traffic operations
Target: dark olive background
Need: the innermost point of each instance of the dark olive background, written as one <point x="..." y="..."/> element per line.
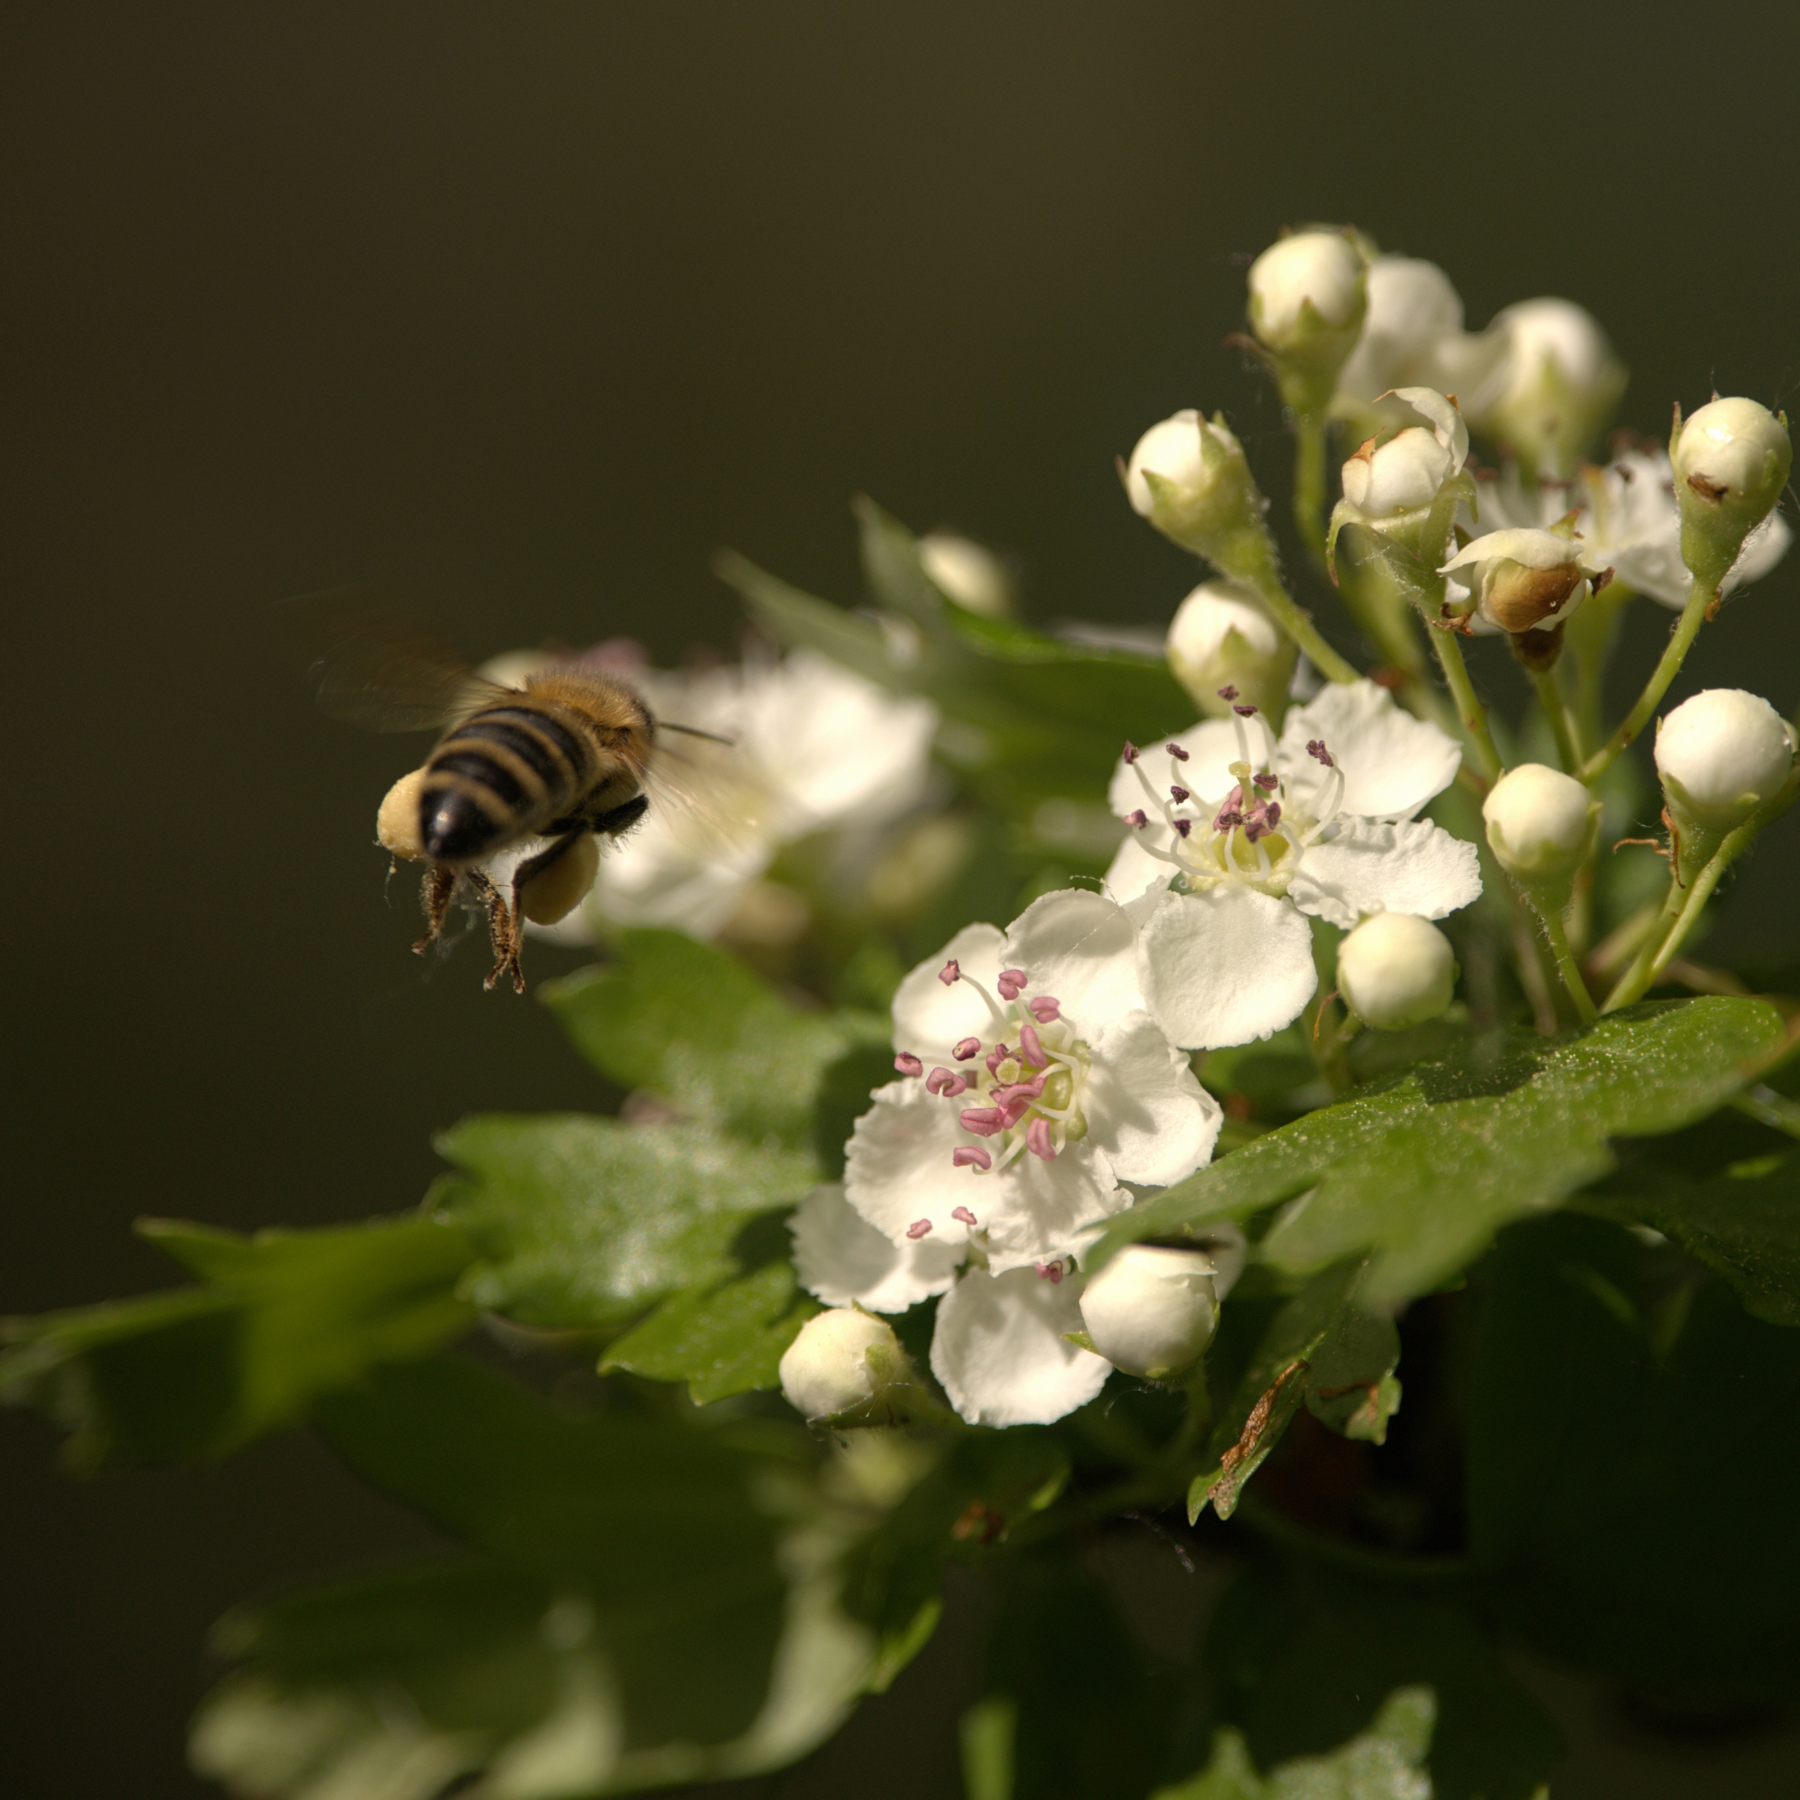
<point x="529" y="308"/>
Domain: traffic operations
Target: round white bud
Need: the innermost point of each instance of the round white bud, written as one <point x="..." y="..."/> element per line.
<point x="1731" y="461"/>
<point x="1399" y="476"/>
<point x="1322" y="269"/>
<point x="555" y="892"/>
<point x="1396" y="970"/>
<point x="1721" y="754"/>
<point x="828" y="1369"/>
<point x="1554" y="385"/>
<point x="970" y="573"/>
<point x="1540" y="824"/>
<point x="1412" y="307"/>
<point x="1188" y="476"/>
<point x="1151" y="1311"/>
<point x="397" y="819"/>
<point x="1222" y="637"/>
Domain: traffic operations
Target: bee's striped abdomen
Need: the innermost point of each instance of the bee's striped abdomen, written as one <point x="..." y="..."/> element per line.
<point x="502" y="773"/>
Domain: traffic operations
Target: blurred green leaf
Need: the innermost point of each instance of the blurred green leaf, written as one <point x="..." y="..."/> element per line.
<point x="1743" y="1223"/>
<point x="690" y="1023"/>
<point x="627" y="1624"/>
<point x="1422" y="1171"/>
<point x="1322" y="1349"/>
<point x="585" y="1222"/>
<point x="1301" y="1660"/>
<point x="281" y="1317"/>
<point x="1632" y="1464"/>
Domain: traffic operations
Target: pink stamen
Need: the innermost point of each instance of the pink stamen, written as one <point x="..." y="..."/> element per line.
<point x="1245" y="712"/>
<point x="1044" y="1008"/>
<point x="1176" y="751"/>
<point x="967" y="1048"/>
<point x="1263" y="820"/>
<point x="1179" y="794"/>
<point x="984" y="1121"/>
<point x="1012" y="983"/>
<point x="1050" y="1272"/>
<point x="962" y="1213"/>
<point x="1136" y="820"/>
<point x="908" y="1064"/>
<point x="1228" y="692"/>
<point x="1032" y="1045"/>
<point x="1018" y="1094"/>
<point x="1037" y="1139"/>
<point x="1182" y="826"/>
<point x="1131" y="751"/>
<point x="919" y="1228"/>
<point x="1268" y="783"/>
<point x="1315" y="748"/>
<point x="945" y="1085"/>
<point x="950" y="973"/>
<point x="995" y="1057"/>
<point x="970" y="1156"/>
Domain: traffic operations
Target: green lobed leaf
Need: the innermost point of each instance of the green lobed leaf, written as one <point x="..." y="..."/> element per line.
<point x="1302" y="1658"/>
<point x="1743" y="1223"/>
<point x="690" y="1023"/>
<point x="279" y="1319"/>
<point x="1323" y="1349"/>
<point x="1421" y="1172"/>
<point x="585" y="1222"/>
<point x="1632" y="1464"/>
<point x="626" y="1627"/>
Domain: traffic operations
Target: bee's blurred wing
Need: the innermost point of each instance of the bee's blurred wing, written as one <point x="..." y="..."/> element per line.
<point x="705" y="791"/>
<point x="369" y="664"/>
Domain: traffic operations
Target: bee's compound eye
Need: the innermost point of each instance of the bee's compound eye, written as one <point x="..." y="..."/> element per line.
<point x="397" y="822"/>
<point x="555" y="892"/>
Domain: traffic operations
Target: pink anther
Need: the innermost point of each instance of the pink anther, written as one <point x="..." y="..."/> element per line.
<point x="1263" y="820"/>
<point x="1228" y="692"/>
<point x="1037" y="1139"/>
<point x="1051" y="1272"/>
<point x="1268" y="783"/>
<point x="967" y="1048"/>
<point x="1012" y="983"/>
<point x="1178" y="794"/>
<point x="919" y="1228"/>
<point x="1245" y="712"/>
<point x="962" y="1213"/>
<point x="1032" y="1047"/>
<point x="908" y="1064"/>
<point x="984" y="1121"/>
<point x="950" y="973"/>
<point x="1176" y="751"/>
<point x="1315" y="748"/>
<point x="1044" y="1008"/>
<point x="1131" y="751"/>
<point x="1136" y="820"/>
<point x="1182" y="826"/>
<point x="970" y="1156"/>
<point x="945" y="1084"/>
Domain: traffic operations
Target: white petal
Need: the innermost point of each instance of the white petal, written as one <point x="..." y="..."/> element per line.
<point x="1000" y="1353"/>
<point x="1225" y="966"/>
<point x="1446" y="421"/>
<point x="1212" y="748"/>
<point x="1535" y="548"/>
<point x="1134" y="870"/>
<point x="1144" y="1108"/>
<point x="1081" y="948"/>
<point x="661" y="876"/>
<point x="899" y="1171"/>
<point x="842" y="1258"/>
<point x="930" y="1017"/>
<point x="1369" y="867"/>
<point x="1392" y="762"/>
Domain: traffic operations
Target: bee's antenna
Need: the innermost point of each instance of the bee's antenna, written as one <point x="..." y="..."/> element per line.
<point x="695" y="731"/>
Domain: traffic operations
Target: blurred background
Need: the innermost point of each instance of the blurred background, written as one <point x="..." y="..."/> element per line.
<point x="529" y="309"/>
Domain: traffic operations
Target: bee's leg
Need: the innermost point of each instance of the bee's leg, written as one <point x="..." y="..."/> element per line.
<point x="503" y="931"/>
<point x="620" y="819"/>
<point x="434" y="899"/>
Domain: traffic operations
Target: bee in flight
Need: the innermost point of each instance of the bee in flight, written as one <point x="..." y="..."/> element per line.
<point x="523" y="782"/>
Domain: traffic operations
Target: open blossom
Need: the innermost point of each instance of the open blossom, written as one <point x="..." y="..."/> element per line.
<point x="1626" y="518"/>
<point x="1237" y="837"/>
<point x="813" y="746"/>
<point x="1033" y="1086"/>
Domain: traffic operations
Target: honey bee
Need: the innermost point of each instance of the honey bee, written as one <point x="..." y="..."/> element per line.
<point x="570" y="756"/>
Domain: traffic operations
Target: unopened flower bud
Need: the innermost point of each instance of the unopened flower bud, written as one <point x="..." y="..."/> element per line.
<point x="1555" y="384"/>
<point x="970" y="573"/>
<point x="1188" y="476"/>
<point x="1525" y="579"/>
<point x="1412" y="311"/>
<point x="555" y="892"/>
<point x="1541" y="824"/>
<point x="1222" y="637"/>
<point x="1731" y="463"/>
<point x="841" y="1363"/>
<point x="397" y="820"/>
<point x="1394" y="486"/>
<point x="1308" y="296"/>
<point x="1396" y="970"/>
<point x="1721" y="755"/>
<point x="1152" y="1311"/>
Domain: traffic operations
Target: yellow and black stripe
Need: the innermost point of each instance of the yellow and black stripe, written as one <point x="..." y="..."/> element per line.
<point x="501" y="774"/>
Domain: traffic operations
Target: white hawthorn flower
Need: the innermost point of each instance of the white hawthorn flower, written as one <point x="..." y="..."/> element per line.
<point x="814" y="746"/>
<point x="1405" y="474"/>
<point x="1033" y="1086"/>
<point x="1626" y="518"/>
<point x="1245" y="836"/>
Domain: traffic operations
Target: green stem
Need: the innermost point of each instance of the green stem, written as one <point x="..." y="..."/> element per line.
<point x="1309" y="483"/>
<point x="1590" y="637"/>
<point x="1462" y="694"/>
<point x="1558" y="939"/>
<point x="1297" y="623"/>
<point x="1562" y="726"/>
<point x="1693" y="615"/>
<point x="1631" y="985"/>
